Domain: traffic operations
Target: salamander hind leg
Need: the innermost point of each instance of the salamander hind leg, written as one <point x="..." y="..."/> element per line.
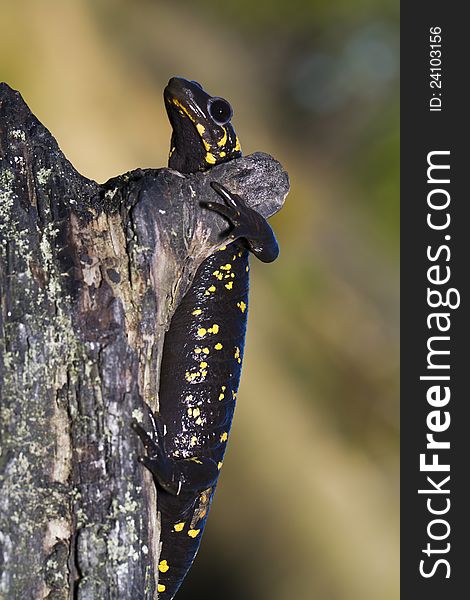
<point x="246" y="223"/>
<point x="175" y="476"/>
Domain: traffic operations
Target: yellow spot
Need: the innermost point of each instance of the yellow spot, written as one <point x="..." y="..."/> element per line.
<point x="234" y="394"/>
<point x="214" y="328"/>
<point x="203" y="365"/>
<point x="210" y="290"/>
<point x="200" y="128"/>
<point x="161" y="587"/>
<point x="218" y="346"/>
<point x="204" y="373"/>
<point x="223" y="140"/>
<point x="197" y="350"/>
<point x="193" y="532"/>
<point x="219" y="465"/>
<point x="203" y="498"/>
<point x="193" y="441"/>
<point x="237" y="146"/>
<point x="240" y="253"/>
<point x="242" y="306"/>
<point x="229" y="285"/>
<point x="226" y="267"/>
<point x="202" y="332"/>
<point x="224" y="437"/>
<point x="221" y="396"/>
<point x="247" y="268"/>
<point x="234" y="257"/>
<point x="171" y="152"/>
<point x="222" y="248"/>
<point x="210" y="158"/>
<point x="179" y="526"/>
<point x="224" y="388"/>
<point x="183" y="109"/>
<point x="237" y="352"/>
<point x="163" y="566"/>
<point x="205" y="350"/>
<point x="190" y="412"/>
<point x="196" y="460"/>
<point x="191" y="376"/>
<point x="198" y="311"/>
<point x="222" y="154"/>
<point x="196" y="412"/>
<point x="199" y="422"/>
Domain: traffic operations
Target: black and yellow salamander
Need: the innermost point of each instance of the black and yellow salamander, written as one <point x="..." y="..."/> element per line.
<point x="203" y="349"/>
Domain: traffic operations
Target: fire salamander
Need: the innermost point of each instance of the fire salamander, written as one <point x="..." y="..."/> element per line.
<point x="203" y="348"/>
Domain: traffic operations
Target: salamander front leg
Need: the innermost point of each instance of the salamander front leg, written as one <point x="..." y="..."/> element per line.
<point x="189" y="475"/>
<point x="246" y="223"/>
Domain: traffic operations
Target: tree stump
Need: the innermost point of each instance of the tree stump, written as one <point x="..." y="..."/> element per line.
<point x="89" y="278"/>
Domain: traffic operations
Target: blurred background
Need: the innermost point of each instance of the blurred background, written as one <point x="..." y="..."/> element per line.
<point x="307" y="504"/>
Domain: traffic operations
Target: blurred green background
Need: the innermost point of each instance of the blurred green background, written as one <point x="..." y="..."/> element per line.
<point x="307" y="504"/>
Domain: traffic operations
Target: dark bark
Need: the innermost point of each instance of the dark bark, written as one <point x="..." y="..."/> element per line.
<point x="89" y="277"/>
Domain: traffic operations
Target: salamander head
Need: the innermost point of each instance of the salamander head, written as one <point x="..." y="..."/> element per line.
<point x="202" y="133"/>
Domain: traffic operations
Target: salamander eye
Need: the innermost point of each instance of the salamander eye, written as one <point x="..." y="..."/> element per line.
<point x="220" y="110"/>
